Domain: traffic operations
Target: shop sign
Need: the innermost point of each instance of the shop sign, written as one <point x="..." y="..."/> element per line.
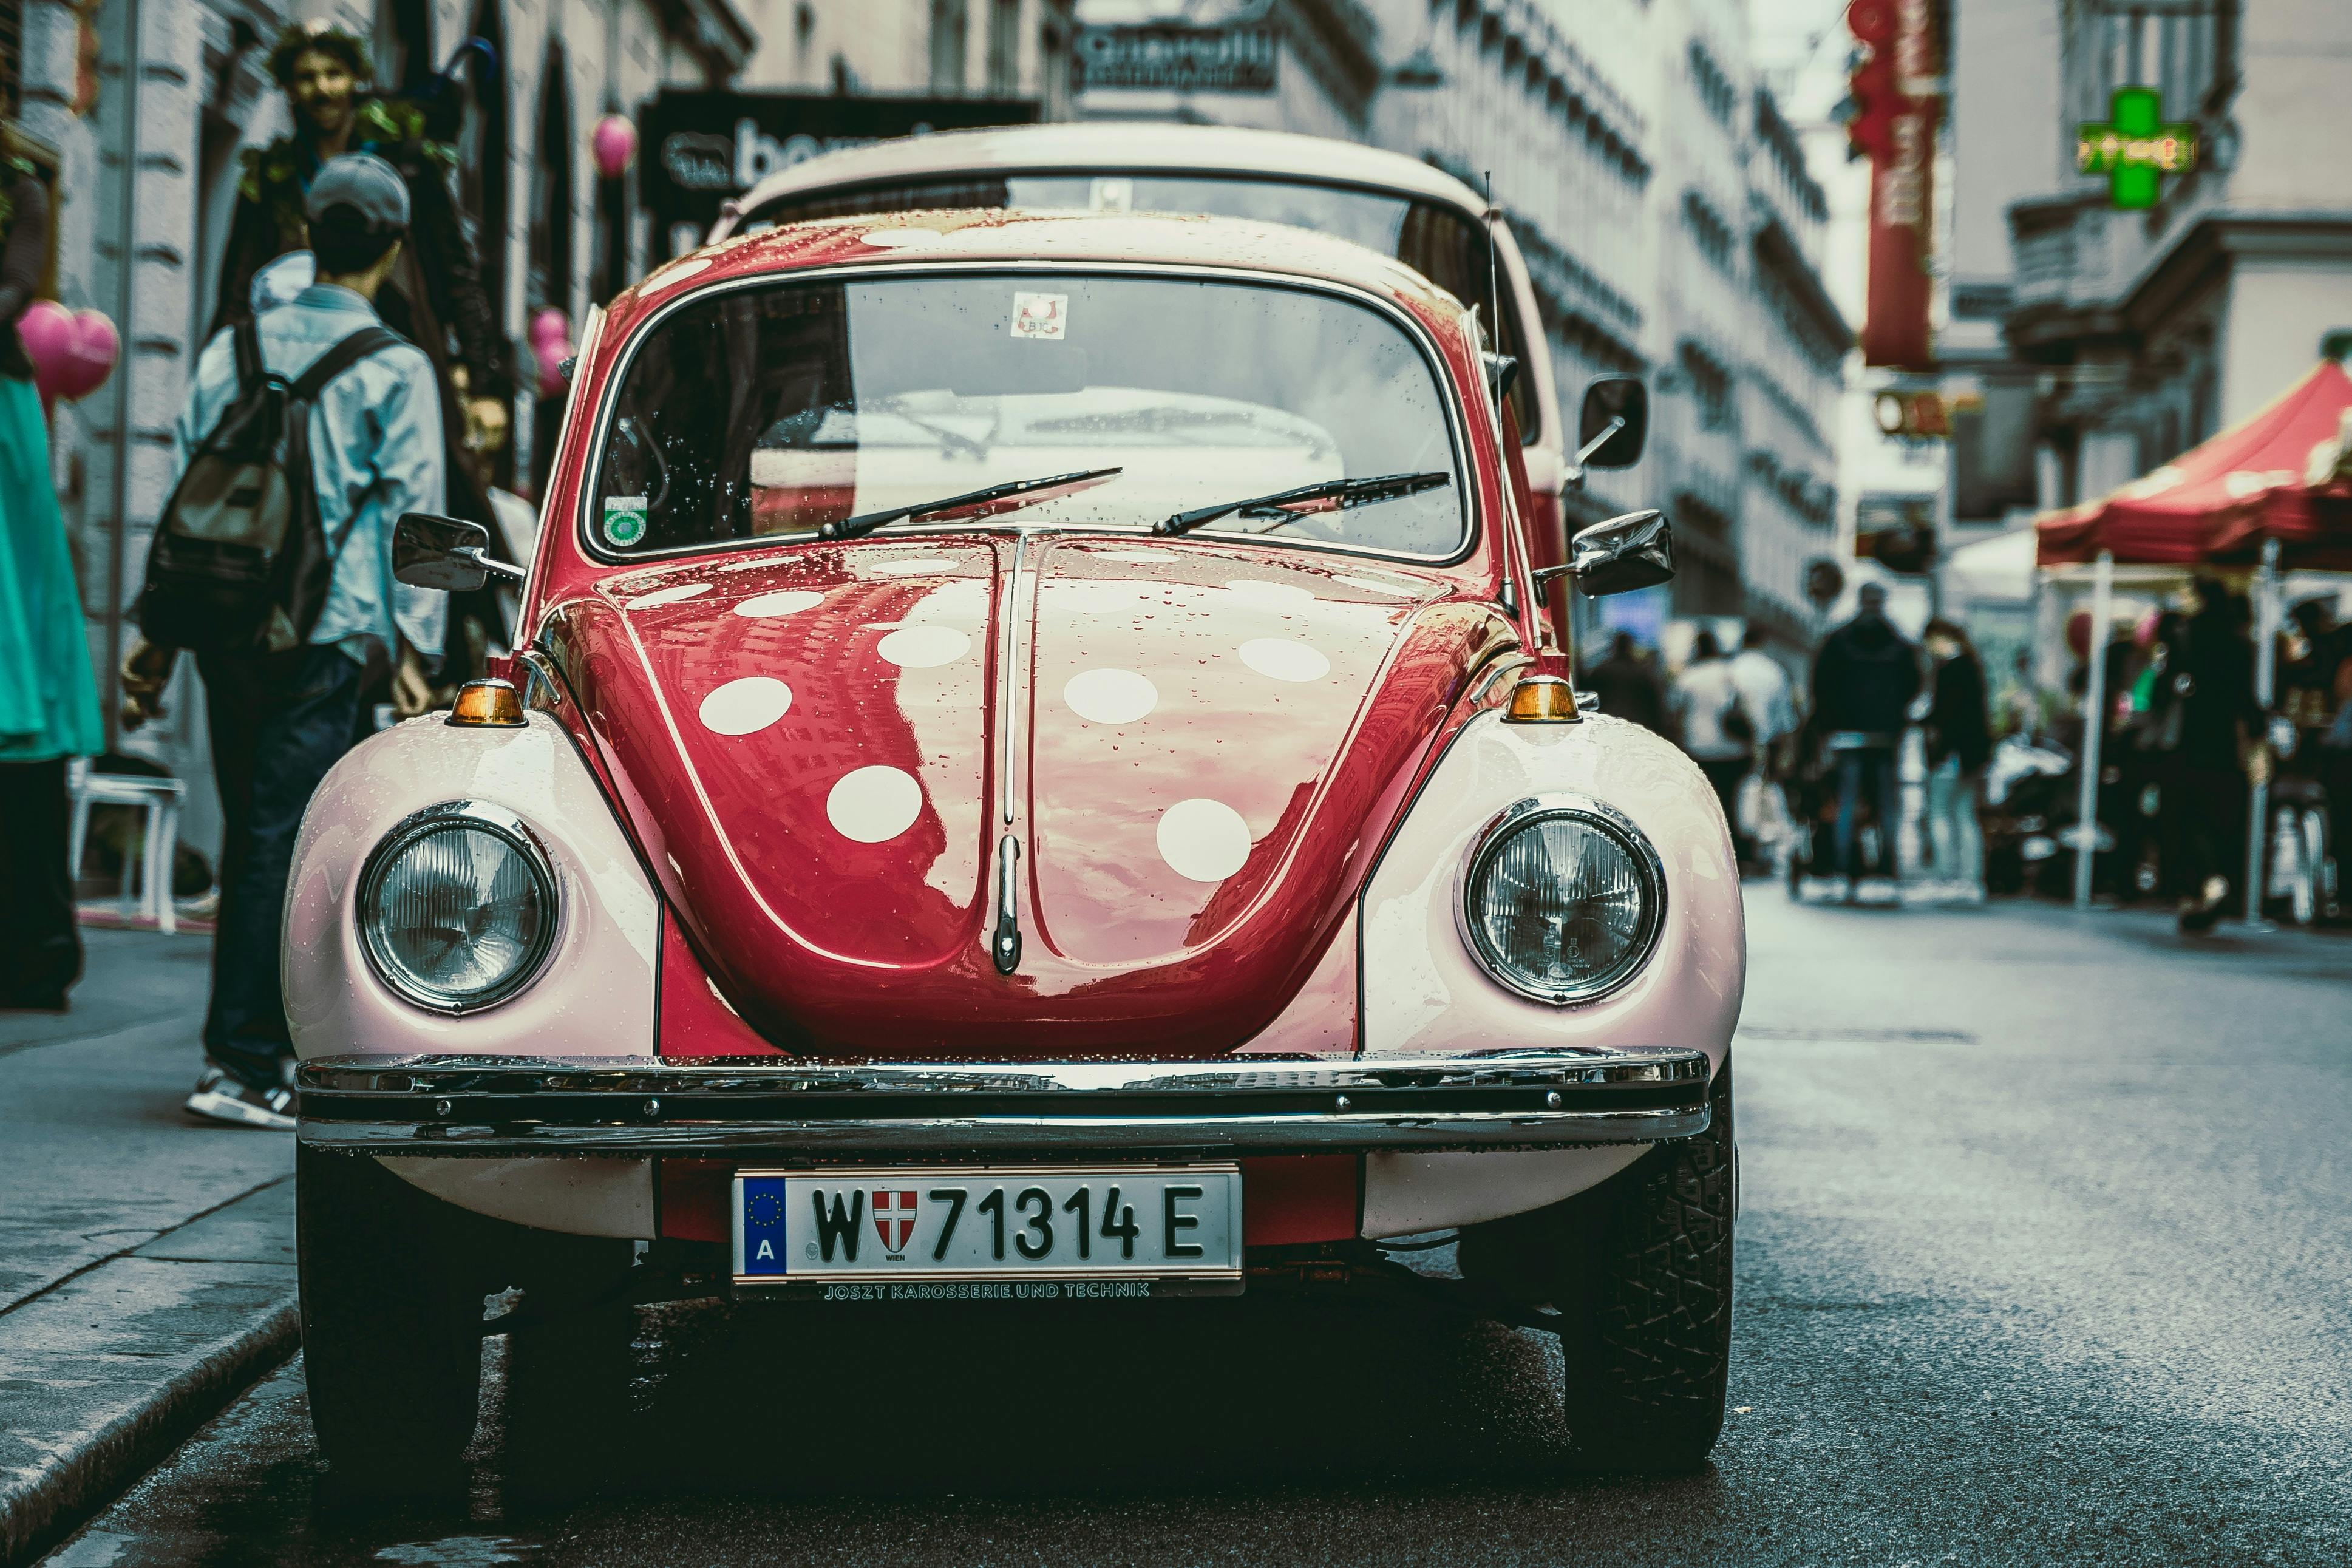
<point x="1167" y="59"/>
<point x="707" y="147"/>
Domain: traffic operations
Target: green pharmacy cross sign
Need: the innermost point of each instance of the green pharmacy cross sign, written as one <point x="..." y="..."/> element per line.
<point x="2135" y="148"/>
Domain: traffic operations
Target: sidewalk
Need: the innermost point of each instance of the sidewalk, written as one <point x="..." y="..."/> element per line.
<point x="146" y="1260"/>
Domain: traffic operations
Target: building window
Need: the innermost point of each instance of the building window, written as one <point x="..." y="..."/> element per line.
<point x="1710" y="387"/>
<point x="948" y="17"/>
<point x="403" y="45"/>
<point x="1709" y="230"/>
<point x="1713" y="88"/>
<point x="1004" y="47"/>
<point x="12" y="55"/>
<point x="2184" y="48"/>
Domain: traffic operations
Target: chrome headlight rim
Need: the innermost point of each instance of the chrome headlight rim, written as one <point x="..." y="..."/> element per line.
<point x="1619" y="829"/>
<point x="480" y="816"/>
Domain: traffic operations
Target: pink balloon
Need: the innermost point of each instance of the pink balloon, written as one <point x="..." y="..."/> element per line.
<point x="614" y="144"/>
<point x="91" y="356"/>
<point x="47" y="330"/>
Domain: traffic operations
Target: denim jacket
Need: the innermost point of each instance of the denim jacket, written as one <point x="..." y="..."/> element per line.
<point x="375" y="452"/>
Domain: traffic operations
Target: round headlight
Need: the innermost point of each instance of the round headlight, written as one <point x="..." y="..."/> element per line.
<point x="457" y="907"/>
<point x="1563" y="900"/>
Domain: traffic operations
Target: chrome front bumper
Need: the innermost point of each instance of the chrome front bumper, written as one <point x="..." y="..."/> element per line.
<point x="775" y="1108"/>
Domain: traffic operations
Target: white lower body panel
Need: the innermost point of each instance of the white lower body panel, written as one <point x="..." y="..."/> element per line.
<point x="1406" y="1193"/>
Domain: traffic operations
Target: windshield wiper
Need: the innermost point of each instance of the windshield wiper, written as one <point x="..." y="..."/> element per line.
<point x="1345" y="493"/>
<point x="855" y="528"/>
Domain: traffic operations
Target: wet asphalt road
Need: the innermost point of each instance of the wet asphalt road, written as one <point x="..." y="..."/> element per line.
<point x="2044" y="1256"/>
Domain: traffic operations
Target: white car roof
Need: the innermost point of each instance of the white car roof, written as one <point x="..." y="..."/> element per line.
<point x="1098" y="146"/>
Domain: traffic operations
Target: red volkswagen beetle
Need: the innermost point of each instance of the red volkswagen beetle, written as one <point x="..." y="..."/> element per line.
<point x="1038" y="776"/>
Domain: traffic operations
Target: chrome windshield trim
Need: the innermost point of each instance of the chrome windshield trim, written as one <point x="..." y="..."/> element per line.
<point x="1458" y="428"/>
<point x="651" y="1106"/>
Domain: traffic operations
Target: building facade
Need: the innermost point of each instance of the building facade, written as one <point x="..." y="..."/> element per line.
<point x="1504" y="90"/>
<point x="2150" y="330"/>
<point x="940" y="48"/>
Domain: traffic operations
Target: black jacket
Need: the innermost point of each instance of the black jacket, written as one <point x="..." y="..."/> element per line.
<point x="2217" y="706"/>
<point x="1866" y="678"/>
<point x="1959" y="722"/>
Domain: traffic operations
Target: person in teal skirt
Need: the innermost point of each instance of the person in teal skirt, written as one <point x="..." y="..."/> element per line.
<point x="48" y="702"/>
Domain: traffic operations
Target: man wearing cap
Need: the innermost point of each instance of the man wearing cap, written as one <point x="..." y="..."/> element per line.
<point x="437" y="296"/>
<point x="280" y="720"/>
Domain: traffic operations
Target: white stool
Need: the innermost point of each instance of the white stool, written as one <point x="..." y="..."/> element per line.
<point x="160" y="835"/>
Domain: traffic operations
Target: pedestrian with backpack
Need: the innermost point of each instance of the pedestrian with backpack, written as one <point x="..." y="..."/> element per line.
<point x="306" y="431"/>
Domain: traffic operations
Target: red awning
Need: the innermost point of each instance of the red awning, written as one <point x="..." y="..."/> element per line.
<point x="2216" y="503"/>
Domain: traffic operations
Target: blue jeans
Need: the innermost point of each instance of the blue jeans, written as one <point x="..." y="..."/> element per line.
<point x="1955" y="841"/>
<point x="279" y="721"/>
<point x="1872" y="766"/>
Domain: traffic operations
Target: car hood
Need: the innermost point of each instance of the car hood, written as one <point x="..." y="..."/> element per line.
<point x="1197" y="746"/>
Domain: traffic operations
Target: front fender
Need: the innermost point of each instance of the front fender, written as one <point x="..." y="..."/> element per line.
<point x="1424" y="993"/>
<point x="594" y="996"/>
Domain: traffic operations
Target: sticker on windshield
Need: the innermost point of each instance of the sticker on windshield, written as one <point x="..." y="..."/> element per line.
<point x="625" y="519"/>
<point x="1041" y="315"/>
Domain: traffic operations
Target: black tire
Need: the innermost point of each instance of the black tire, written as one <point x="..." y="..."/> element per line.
<point x="391" y="1311"/>
<point x="567" y="1384"/>
<point x="1640" y="1269"/>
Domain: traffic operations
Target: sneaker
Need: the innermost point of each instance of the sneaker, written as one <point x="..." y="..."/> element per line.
<point x="220" y="1097"/>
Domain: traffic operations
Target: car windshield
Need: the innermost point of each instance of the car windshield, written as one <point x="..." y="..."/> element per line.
<point x="769" y="412"/>
<point x="1438" y="242"/>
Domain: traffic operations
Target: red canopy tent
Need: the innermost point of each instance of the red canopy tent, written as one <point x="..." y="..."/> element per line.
<point x="2215" y="504"/>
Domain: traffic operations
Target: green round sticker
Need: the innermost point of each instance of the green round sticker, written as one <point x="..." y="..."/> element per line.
<point x="625" y="525"/>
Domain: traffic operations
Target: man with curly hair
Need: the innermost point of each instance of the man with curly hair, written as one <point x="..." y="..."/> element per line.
<point x="434" y="298"/>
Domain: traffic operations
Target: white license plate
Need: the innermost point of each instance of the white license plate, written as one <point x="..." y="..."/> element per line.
<point x="1130" y="1222"/>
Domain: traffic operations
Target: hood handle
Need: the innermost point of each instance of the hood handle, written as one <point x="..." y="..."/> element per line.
<point x="1004" y="945"/>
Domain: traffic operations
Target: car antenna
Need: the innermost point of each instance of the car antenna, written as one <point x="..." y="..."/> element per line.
<point x="1494" y="301"/>
<point x="1494" y="289"/>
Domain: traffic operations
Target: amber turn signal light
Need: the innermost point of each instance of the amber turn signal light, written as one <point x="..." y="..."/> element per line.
<point x="487" y="704"/>
<point x="1542" y="699"/>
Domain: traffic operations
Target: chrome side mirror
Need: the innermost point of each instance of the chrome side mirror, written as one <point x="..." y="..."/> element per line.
<point x="447" y="553"/>
<point x="1636" y="550"/>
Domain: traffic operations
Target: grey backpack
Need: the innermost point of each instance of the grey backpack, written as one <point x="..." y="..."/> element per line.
<point x="240" y="561"/>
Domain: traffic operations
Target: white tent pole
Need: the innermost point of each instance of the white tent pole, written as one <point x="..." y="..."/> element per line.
<point x="2266" y="618"/>
<point x="2095" y="727"/>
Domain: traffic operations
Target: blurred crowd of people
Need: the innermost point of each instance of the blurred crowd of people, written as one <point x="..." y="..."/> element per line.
<point x="1813" y="787"/>
<point x="2186" y="738"/>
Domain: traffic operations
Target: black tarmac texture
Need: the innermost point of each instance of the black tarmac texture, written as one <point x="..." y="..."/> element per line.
<point x="2045" y="1250"/>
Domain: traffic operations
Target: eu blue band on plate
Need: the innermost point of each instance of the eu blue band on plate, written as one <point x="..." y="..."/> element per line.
<point x="764" y="1225"/>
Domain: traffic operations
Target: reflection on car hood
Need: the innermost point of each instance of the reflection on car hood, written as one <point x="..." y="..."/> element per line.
<point x="1205" y="745"/>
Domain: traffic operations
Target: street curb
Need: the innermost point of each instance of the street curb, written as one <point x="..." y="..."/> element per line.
<point x="36" y="1513"/>
<point x="114" y="1365"/>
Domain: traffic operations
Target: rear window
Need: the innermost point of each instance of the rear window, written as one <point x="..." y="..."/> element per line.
<point x="765" y="412"/>
<point x="1437" y="242"/>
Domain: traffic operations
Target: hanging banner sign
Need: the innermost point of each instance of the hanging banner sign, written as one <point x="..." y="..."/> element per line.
<point x="706" y="147"/>
<point x="1898" y="103"/>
